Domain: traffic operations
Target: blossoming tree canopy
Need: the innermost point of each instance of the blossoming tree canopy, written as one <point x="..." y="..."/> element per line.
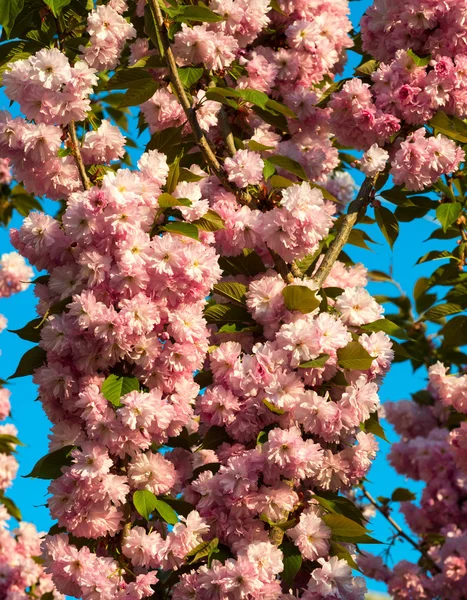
<point x="206" y="351"/>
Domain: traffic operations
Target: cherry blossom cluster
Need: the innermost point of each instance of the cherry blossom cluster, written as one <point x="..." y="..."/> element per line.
<point x="427" y="27"/>
<point x="407" y="87"/>
<point x="311" y="44"/>
<point x="15" y="276"/>
<point x="260" y="387"/>
<point x="431" y="450"/>
<point x="108" y="32"/>
<point x="21" y="573"/>
<point x="35" y="153"/>
<point x="237" y="408"/>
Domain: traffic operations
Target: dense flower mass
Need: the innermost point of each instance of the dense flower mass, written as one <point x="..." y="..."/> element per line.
<point x="431" y="453"/>
<point x="208" y="356"/>
<point x="21" y="574"/>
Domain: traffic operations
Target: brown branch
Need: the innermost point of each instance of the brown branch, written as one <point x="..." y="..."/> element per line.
<point x="356" y="209"/>
<point x="226" y="132"/>
<point x="75" y="148"/>
<point x="198" y="133"/>
<point x="400" y="531"/>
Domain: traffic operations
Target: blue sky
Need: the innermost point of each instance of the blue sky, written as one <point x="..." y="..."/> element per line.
<point x="30" y="494"/>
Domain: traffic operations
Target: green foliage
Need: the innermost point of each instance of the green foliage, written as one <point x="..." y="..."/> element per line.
<point x="29" y="362"/>
<point x="388" y="224"/>
<point x="292" y="560"/>
<point x="301" y="298"/>
<point x="182" y="228"/>
<point x="146" y="503"/>
<point x="9" y="11"/>
<point x="232" y="291"/>
<point x="116" y="386"/>
<point x="50" y="466"/>
<point x="320" y="361"/>
<point x="354" y="357"/>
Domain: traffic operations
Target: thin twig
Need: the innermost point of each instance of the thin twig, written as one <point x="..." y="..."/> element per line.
<point x="198" y="133"/>
<point x="356" y="209"/>
<point x="75" y="148"/>
<point x="399" y="529"/>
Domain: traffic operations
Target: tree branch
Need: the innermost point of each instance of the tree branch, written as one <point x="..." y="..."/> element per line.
<point x="198" y="133"/>
<point x="356" y="209"/>
<point x="78" y="158"/>
<point x="398" y="528"/>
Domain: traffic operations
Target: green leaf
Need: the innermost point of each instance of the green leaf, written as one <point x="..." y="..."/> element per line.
<point x="32" y="360"/>
<point x="190" y="75"/>
<point x="455" y="332"/>
<point x="129" y="78"/>
<point x="187" y="175"/>
<point x="451" y="126"/>
<point x="202" y="550"/>
<point x="340" y="505"/>
<point x="435" y="255"/>
<point x="320" y="361"/>
<point x="380" y="276"/>
<point x="442" y="310"/>
<point x="168" y="201"/>
<point x="135" y="96"/>
<point x="247" y="263"/>
<point x="116" y="386"/>
<point x="277" y="181"/>
<point x="227" y="313"/>
<point x="215" y="436"/>
<point x="198" y="13"/>
<point x="359" y="238"/>
<point x="212" y="467"/>
<point x="367" y="68"/>
<point x="11" y="507"/>
<point x="301" y="298"/>
<point x="388" y="327"/>
<point x="50" y="465"/>
<point x="182" y="228"/>
<point x="388" y="224"/>
<point x="30" y="332"/>
<point x="343" y="554"/>
<point x="342" y="526"/>
<point x="402" y="495"/>
<point x="9" y="10"/>
<point x="288" y="164"/>
<point x="145" y="503"/>
<point x="273" y="408"/>
<point x="57" y="5"/>
<point x="269" y="169"/>
<point x="257" y="147"/>
<point x="372" y="425"/>
<point x="203" y="378"/>
<point x="292" y="561"/>
<point x="354" y="357"/>
<point x="232" y="290"/>
<point x="25" y="203"/>
<point x="180" y="506"/>
<point x="420" y="61"/>
<point x="448" y="213"/>
<point x="166" y="141"/>
<point x="210" y="221"/>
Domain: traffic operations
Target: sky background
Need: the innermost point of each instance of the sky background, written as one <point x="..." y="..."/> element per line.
<point x="28" y="416"/>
